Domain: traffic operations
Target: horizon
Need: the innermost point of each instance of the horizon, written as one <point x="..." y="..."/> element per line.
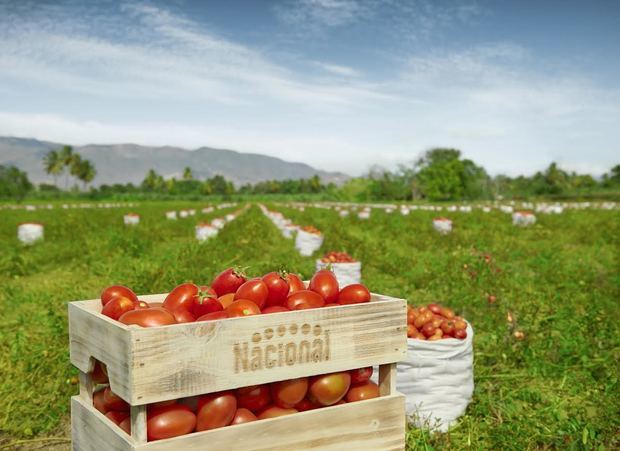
<point x="340" y="85"/>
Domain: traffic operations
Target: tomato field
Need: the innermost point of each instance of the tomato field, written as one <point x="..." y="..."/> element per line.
<point x="542" y="300"/>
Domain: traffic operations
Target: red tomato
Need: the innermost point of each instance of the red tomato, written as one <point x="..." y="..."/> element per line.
<point x="182" y="296"/>
<point x="435" y="308"/>
<point x="277" y="287"/>
<point x="328" y="389"/>
<point x="156" y="304"/>
<point x="141" y="304"/>
<point x="216" y="410"/>
<point x="148" y="317"/>
<point x="98" y="402"/>
<point x="169" y="421"/>
<point x="275" y="411"/>
<point x="254" y="397"/>
<point x="325" y="283"/>
<point x="461" y="334"/>
<point x="295" y="283"/>
<point x="254" y="290"/>
<point x="333" y="304"/>
<point x="242" y="307"/>
<point x="116" y="417"/>
<point x="99" y="374"/>
<point x="112" y="401"/>
<point x="447" y="327"/>
<point x="115" y="291"/>
<point x="243" y="416"/>
<point x="429" y="330"/>
<point x="304" y="299"/>
<point x="125" y="425"/>
<point x="289" y="392"/>
<point x="228" y="281"/>
<point x="213" y="316"/>
<point x="447" y="313"/>
<point x="459" y="324"/>
<point x="118" y="306"/>
<point x="354" y="294"/>
<point x="205" y="304"/>
<point x="360" y="392"/>
<point x="275" y="309"/>
<point x="183" y="316"/>
<point x="360" y="375"/>
<point x="227" y="299"/>
<point x="306" y="404"/>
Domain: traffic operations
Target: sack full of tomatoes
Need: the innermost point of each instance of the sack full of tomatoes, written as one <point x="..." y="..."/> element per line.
<point x="308" y="240"/>
<point x="438" y="375"/>
<point x="346" y="269"/>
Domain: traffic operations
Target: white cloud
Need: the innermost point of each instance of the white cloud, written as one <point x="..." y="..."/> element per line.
<point x="337" y="69"/>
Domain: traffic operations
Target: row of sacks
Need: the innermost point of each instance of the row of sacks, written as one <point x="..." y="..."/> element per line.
<point x="30" y="207"/>
<point x="308" y="240"/>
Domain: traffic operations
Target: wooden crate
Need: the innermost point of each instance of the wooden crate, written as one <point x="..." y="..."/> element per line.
<point x="148" y="365"/>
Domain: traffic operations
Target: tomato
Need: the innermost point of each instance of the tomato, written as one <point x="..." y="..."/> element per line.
<point x="429" y="330"/>
<point x="277" y="287"/>
<point x="462" y="334"/>
<point x="447" y="313"/>
<point x="306" y="404"/>
<point x="422" y="319"/>
<point x="169" y="421"/>
<point x="116" y="417"/>
<point x="275" y="411"/>
<point x="148" y="317"/>
<point x="360" y="392"/>
<point x="438" y="335"/>
<point x="411" y="315"/>
<point x="254" y="290"/>
<point x="216" y="410"/>
<point x="254" y="397"/>
<point x="332" y="305"/>
<point x="213" y="316"/>
<point x="435" y="308"/>
<point x="98" y="402"/>
<point x="183" y="316"/>
<point x="118" y="306"/>
<point x="156" y="304"/>
<point x="295" y="283"/>
<point x="228" y="281"/>
<point x="142" y="304"/>
<point x="243" y="416"/>
<point x="227" y="299"/>
<point x="125" y="425"/>
<point x="182" y="296"/>
<point x="459" y="324"/>
<point x="242" y="307"/>
<point x="304" y="299"/>
<point x="330" y="388"/>
<point x="360" y="375"/>
<point x="115" y="291"/>
<point x="205" y="304"/>
<point x="411" y="331"/>
<point x="324" y="282"/>
<point x="99" y="374"/>
<point x="112" y="401"/>
<point x="275" y="309"/>
<point x="354" y="294"/>
<point x="447" y="327"/>
<point x="289" y="392"/>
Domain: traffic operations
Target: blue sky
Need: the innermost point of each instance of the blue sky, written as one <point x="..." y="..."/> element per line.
<point x="338" y="84"/>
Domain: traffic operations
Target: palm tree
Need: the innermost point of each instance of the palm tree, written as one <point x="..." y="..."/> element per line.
<point x="53" y="165"/>
<point x="87" y="172"/>
<point x="187" y="173"/>
<point x="67" y="157"/>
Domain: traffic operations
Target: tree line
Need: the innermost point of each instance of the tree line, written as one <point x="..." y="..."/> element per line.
<point x="441" y="174"/>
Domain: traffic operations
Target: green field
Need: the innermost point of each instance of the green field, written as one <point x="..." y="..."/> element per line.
<point x="557" y="389"/>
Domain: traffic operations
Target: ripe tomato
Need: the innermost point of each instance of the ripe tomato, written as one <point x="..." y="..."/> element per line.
<point x="116" y="417"/>
<point x="148" y="317"/>
<point x="330" y="388"/>
<point x="118" y="306"/>
<point x="360" y="375"/>
<point x="214" y="316"/>
<point x="461" y="334"/>
<point x="242" y="307"/>
<point x="254" y="397"/>
<point x="289" y="392"/>
<point x="295" y="283"/>
<point x="412" y="314"/>
<point x="243" y="416"/>
<point x="304" y="299"/>
<point x="277" y="287"/>
<point x="99" y="374"/>
<point x="275" y="411"/>
<point x="324" y="282"/>
<point x="429" y="330"/>
<point x="447" y="313"/>
<point x="205" y="304"/>
<point x="169" y="421"/>
<point x="423" y="318"/>
<point x="117" y="291"/>
<point x="411" y="331"/>
<point x="182" y="315"/>
<point x="435" y="308"/>
<point x="112" y="401"/>
<point x="306" y="404"/>
<point x="228" y="281"/>
<point x="141" y="304"/>
<point x="447" y="327"/>
<point x="98" y="402"/>
<point x="438" y="335"/>
<point x="125" y="425"/>
<point x="227" y="299"/>
<point x="354" y="294"/>
<point x="254" y="290"/>
<point x="275" y="309"/>
<point x="332" y="305"/>
<point x="216" y="410"/>
<point x="459" y="324"/>
<point x="182" y="296"/>
<point x="360" y="392"/>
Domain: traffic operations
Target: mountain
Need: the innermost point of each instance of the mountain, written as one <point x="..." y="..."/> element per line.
<point x="124" y="163"/>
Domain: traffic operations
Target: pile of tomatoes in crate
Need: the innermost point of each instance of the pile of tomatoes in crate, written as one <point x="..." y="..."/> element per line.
<point x="434" y="322"/>
<point x="231" y="294"/>
<point x="337" y="257"/>
<point x="215" y="410"/>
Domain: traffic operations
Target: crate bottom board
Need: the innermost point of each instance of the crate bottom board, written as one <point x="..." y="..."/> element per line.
<point x="376" y="424"/>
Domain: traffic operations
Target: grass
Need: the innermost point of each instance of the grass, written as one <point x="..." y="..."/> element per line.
<point x="556" y="389"/>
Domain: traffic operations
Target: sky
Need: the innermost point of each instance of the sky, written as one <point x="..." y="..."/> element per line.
<point x="338" y="84"/>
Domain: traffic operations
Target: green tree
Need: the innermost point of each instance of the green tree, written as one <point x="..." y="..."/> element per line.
<point x="14" y="184"/>
<point x="187" y="174"/>
<point x="153" y="182"/>
<point x="84" y="170"/>
<point x="53" y="165"/>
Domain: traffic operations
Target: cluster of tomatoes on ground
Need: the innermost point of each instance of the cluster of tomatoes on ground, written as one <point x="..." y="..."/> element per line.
<point x="434" y="322"/>
<point x="215" y="410"/>
<point x="337" y="257"/>
<point x="231" y="295"/>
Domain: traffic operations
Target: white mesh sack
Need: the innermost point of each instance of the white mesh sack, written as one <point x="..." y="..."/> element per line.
<point x="307" y="243"/>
